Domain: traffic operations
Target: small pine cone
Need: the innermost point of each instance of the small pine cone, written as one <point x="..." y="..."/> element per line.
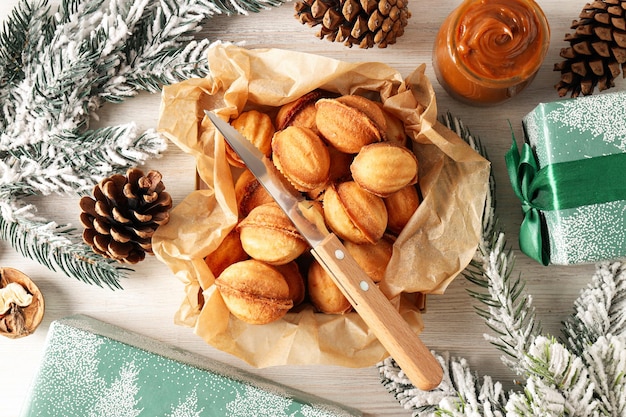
<point x="124" y="213"/>
<point x="365" y="23"/>
<point x="597" y="51"/>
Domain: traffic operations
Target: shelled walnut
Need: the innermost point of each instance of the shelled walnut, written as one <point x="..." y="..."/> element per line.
<point x="21" y="304"/>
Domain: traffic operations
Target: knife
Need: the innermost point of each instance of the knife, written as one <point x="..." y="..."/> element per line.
<point x="393" y="332"/>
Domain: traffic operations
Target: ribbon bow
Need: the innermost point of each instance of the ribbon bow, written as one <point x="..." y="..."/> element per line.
<point x="560" y="186"/>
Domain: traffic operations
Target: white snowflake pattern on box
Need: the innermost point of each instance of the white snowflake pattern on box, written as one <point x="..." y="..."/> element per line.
<point x="94" y="369"/>
<point x="569" y="130"/>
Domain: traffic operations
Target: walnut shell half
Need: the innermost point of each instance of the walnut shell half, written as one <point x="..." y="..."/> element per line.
<point x="20" y="321"/>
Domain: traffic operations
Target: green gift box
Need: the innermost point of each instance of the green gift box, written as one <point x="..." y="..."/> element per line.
<point x="571" y="178"/>
<point x="90" y="368"/>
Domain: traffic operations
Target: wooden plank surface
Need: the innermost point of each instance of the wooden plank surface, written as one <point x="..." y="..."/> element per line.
<point x="152" y="294"/>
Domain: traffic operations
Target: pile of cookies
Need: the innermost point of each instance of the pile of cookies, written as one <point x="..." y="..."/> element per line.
<point x="349" y="156"/>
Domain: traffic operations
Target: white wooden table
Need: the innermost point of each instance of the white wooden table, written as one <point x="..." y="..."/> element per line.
<point x="152" y="294"/>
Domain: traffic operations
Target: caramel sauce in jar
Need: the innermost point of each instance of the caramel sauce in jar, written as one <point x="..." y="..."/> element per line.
<point x="487" y="51"/>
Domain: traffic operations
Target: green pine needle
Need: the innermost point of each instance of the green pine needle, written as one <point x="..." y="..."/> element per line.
<point x="55" y="73"/>
<point x="583" y="375"/>
<point x="55" y="247"/>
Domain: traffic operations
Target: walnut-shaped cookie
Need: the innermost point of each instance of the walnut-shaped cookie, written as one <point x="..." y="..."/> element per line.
<point x="401" y="206"/>
<point x="395" y="132"/>
<point x="370" y="108"/>
<point x="302" y="157"/>
<point x="383" y="168"/>
<point x="373" y="258"/>
<point x="268" y="235"/>
<point x="345" y="127"/>
<point x="324" y="294"/>
<point x="227" y="253"/>
<point x="300" y="112"/>
<point x="254" y="292"/>
<point x="255" y="126"/>
<point x="339" y="171"/>
<point x="354" y="214"/>
<point x="295" y="281"/>
<point x="249" y="193"/>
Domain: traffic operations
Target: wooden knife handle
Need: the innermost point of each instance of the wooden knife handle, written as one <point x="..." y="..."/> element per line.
<point x="393" y="332"/>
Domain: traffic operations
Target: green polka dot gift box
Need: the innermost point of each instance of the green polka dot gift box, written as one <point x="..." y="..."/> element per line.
<point x="93" y="369"/>
<point x="570" y="175"/>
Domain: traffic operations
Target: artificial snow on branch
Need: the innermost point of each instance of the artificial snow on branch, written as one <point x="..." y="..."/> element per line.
<point x="56" y="70"/>
<point x="52" y="246"/>
<point x="581" y="375"/>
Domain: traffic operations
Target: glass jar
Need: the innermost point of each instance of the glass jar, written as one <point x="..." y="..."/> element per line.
<point x="487" y="51"/>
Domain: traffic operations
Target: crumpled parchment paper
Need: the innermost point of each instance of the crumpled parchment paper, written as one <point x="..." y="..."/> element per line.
<point x="434" y="247"/>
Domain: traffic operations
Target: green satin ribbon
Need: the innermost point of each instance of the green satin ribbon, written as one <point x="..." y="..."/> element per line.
<point x="560" y="186"/>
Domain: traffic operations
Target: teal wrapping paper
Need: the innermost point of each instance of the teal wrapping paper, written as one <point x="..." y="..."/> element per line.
<point x="573" y="130"/>
<point x="93" y="369"/>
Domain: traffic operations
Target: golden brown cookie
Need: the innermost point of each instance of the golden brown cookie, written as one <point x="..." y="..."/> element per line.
<point x="324" y="293"/>
<point x="339" y="171"/>
<point x="394" y="131"/>
<point x="400" y="207"/>
<point x="302" y="157"/>
<point x="300" y="112"/>
<point x="249" y="193"/>
<point x="370" y="108"/>
<point x="268" y="235"/>
<point x="254" y="292"/>
<point x="258" y="128"/>
<point x="372" y="257"/>
<point x="295" y="281"/>
<point x="226" y="254"/>
<point x="346" y="128"/>
<point x="384" y="168"/>
<point x="354" y="214"/>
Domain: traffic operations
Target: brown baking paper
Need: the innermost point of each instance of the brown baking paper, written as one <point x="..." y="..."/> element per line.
<point x="436" y="245"/>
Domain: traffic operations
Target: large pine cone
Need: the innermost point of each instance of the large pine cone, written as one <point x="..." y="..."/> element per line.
<point x="124" y="213"/>
<point x="598" y="49"/>
<point x="365" y="23"/>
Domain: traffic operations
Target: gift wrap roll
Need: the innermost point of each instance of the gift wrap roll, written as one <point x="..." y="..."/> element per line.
<point x="570" y="177"/>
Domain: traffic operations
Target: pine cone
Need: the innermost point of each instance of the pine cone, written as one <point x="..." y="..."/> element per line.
<point x="365" y="23"/>
<point x="598" y="49"/>
<point x="124" y="214"/>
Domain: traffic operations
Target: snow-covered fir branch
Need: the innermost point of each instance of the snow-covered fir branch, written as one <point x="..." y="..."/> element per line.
<point x="460" y="393"/>
<point x="57" y="68"/>
<point x="596" y="332"/>
<point x="558" y="384"/>
<point x="58" y="247"/>
<point x="600" y="309"/>
<point x="83" y="161"/>
<point x="583" y="375"/>
<point x="507" y="310"/>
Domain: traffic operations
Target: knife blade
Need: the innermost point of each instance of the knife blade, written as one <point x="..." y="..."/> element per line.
<point x="393" y="332"/>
